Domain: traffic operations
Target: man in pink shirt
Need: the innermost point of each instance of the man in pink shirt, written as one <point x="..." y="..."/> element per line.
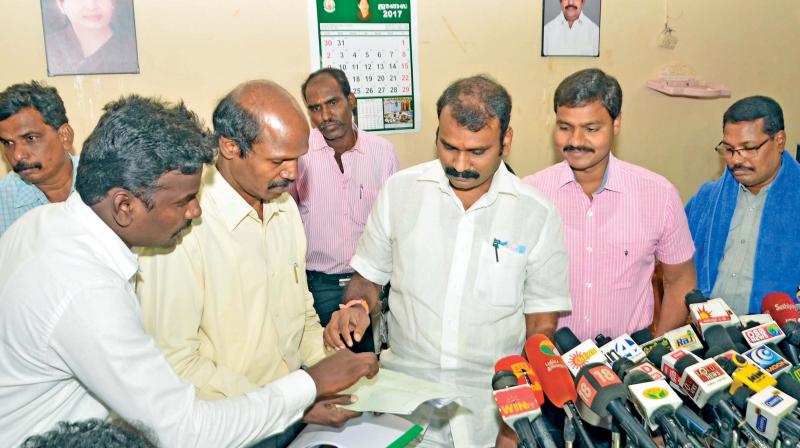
<point x="618" y="218"/>
<point x="337" y="182"/>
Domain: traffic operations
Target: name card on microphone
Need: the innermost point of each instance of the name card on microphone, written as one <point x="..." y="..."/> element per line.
<point x="714" y="311"/>
<point x="650" y="370"/>
<point x="702" y="380"/>
<point x="684" y="338"/>
<point x="585" y="353"/>
<point x="624" y="346"/>
<point x="765" y="410"/>
<point x="751" y="377"/>
<point x="517" y="401"/>
<point x="763" y="334"/>
<point x="652" y="396"/>
<point x="767" y="359"/>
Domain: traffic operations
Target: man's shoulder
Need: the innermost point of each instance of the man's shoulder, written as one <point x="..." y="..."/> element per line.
<point x="643" y="177"/>
<point x="375" y="140"/>
<point x="9" y="183"/>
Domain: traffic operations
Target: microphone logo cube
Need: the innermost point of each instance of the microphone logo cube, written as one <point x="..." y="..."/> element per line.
<point x="650" y="370"/>
<point x="585" y="353"/>
<point x="768" y="360"/>
<point x="762" y="334"/>
<point x="625" y="347"/>
<point x="684" y="338"/>
<point x="604" y="376"/>
<point x="586" y="391"/>
<point x="514" y="401"/>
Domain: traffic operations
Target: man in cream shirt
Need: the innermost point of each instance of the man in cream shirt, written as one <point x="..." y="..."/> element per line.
<point x="230" y="306"/>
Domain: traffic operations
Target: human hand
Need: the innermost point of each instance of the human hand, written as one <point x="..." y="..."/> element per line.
<point x="326" y="411"/>
<point x="354" y="320"/>
<point x="341" y="370"/>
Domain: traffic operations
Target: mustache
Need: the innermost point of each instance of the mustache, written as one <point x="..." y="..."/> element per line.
<point x="578" y="148"/>
<point x="280" y="184"/>
<point x="740" y="166"/>
<point x="329" y="122"/>
<point x="468" y="174"/>
<point x="20" y="166"/>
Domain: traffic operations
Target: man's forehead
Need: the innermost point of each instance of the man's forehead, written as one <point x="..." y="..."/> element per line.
<point x="744" y="129"/>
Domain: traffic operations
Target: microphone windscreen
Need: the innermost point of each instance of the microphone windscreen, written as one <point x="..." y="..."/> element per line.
<point x="718" y="340"/>
<point x="565" y="339"/>
<point x="642" y="336"/>
<point x="683" y="363"/>
<point x="735" y="334"/>
<point x="557" y="382"/>
<point x="525" y="374"/>
<point x="602" y="340"/>
<point x="636" y="377"/>
<point x="658" y="351"/>
<point x="694" y="296"/>
<point x="503" y="379"/>
<point x="781" y="307"/>
<point x="788" y="384"/>
<point x="739" y="398"/>
<point x="727" y="364"/>
<point x="598" y="386"/>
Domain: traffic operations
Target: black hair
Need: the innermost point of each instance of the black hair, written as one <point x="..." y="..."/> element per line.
<point x="754" y="107"/>
<point x="587" y="86"/>
<point x="38" y="96"/>
<point x="93" y="433"/>
<point x="135" y="142"/>
<point x="474" y="101"/>
<point x="233" y="121"/>
<point x="338" y="75"/>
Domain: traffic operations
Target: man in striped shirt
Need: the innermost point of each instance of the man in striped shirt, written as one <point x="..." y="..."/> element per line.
<point x="337" y="182"/>
<point x="618" y="218"/>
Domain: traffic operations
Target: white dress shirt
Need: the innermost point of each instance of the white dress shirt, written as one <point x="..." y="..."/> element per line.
<point x="583" y="39"/>
<point x="458" y="303"/>
<point x="72" y="345"/>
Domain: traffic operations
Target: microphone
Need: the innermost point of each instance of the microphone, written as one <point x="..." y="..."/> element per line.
<point x="625" y="347"/>
<point x="768" y="333"/>
<point x="717" y="339"/>
<point x="600" y="389"/>
<point x="557" y="381"/>
<point x="783" y="310"/>
<point x="525" y="375"/>
<point x="657" y="403"/>
<point x="684" y="338"/>
<point x="576" y="354"/>
<point x="517" y="405"/>
<point x="767" y="359"/>
<point x="642" y="336"/>
<point x="769" y="413"/>
<point x="656" y="349"/>
<point x="711" y="312"/>
<point x="670" y="364"/>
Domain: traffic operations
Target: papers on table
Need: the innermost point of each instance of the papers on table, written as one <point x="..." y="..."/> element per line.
<point x="366" y="431"/>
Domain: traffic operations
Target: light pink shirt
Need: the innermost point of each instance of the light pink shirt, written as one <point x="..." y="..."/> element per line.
<point x="334" y="206"/>
<point x="613" y="242"/>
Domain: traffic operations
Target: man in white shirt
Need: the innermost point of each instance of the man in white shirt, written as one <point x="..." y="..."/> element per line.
<point x="72" y="345"/>
<point x="571" y="33"/>
<point x="476" y="260"/>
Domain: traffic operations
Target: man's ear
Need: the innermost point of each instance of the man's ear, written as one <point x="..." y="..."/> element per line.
<point x="123" y="206"/>
<point x="780" y="139"/>
<point x="506" y="149"/>
<point x="66" y="135"/>
<point x="228" y="148"/>
<point x="617" y="124"/>
<point x="351" y="100"/>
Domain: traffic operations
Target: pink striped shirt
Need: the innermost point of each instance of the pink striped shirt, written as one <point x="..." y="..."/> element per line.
<point x="613" y="242"/>
<point x="334" y="206"/>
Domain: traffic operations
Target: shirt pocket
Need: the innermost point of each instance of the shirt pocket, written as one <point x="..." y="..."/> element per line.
<point x="361" y="205"/>
<point x="625" y="261"/>
<point x="501" y="275"/>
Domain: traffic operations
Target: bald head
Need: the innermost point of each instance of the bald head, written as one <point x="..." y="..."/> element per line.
<point x="259" y="111"/>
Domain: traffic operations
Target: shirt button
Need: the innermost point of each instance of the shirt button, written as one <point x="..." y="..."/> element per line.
<point x="586" y="318"/>
<point x="590" y="213"/>
<point x="588" y="285"/>
<point x="742" y="241"/>
<point x="733" y="275"/>
<point x="751" y="209"/>
<point x="589" y="249"/>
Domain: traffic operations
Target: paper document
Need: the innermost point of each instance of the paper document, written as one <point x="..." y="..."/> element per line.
<point x="393" y="392"/>
<point x="367" y="431"/>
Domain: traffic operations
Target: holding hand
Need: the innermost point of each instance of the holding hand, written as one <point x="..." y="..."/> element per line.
<point x="326" y="411"/>
<point x="343" y="322"/>
<point x="342" y="370"/>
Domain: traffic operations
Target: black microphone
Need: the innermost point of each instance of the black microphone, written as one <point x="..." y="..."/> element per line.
<point x="718" y="340"/>
<point x="600" y="389"/>
<point x="656" y="403"/>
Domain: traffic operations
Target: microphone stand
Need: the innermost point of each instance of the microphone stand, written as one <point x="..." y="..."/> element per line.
<point x="616" y="436"/>
<point x="569" y="432"/>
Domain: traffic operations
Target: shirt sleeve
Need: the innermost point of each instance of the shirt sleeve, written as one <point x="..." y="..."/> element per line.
<point x="393" y="164"/>
<point x="547" y="281"/>
<point x="101" y="339"/>
<point x="312" y="349"/>
<point x="172" y="294"/>
<point x="675" y="245"/>
<point x="373" y="257"/>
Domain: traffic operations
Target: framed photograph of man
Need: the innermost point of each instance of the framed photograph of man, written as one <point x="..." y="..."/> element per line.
<point x="571" y="28"/>
<point x="85" y="37"/>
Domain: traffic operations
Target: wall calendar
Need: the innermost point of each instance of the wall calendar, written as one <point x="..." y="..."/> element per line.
<point x="375" y="43"/>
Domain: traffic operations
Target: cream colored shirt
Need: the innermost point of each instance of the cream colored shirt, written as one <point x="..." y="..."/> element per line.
<point x="230" y="306"/>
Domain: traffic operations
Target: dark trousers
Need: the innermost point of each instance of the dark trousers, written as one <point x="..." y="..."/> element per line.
<point x="328" y="295"/>
<point x="283" y="439"/>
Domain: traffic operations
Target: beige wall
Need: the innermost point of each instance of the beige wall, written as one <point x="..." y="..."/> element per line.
<point x="199" y="49"/>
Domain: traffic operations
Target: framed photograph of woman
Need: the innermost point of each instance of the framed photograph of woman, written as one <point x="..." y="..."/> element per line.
<point x="85" y="37"/>
<point x="571" y="28"/>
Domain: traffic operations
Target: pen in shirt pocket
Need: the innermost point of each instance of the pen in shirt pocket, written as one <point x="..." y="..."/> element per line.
<point x="296" y="279"/>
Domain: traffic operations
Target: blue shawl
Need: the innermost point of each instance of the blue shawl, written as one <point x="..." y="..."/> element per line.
<point x="777" y="256"/>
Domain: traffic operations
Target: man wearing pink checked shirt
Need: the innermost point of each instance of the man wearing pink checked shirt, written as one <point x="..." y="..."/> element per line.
<point x="618" y="218"/>
<point x="337" y="182"/>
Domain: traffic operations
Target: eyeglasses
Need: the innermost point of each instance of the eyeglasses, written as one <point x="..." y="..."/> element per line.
<point x="745" y="153"/>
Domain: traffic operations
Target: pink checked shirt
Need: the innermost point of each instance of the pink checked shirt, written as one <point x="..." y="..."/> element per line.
<point x="334" y="206"/>
<point x="613" y="242"/>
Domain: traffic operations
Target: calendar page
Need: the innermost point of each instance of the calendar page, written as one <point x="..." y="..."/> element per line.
<point x="375" y="43"/>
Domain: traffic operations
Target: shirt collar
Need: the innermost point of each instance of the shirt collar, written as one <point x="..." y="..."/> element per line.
<point x="317" y="141"/>
<point x="233" y="209"/>
<point x="29" y="194"/>
<point x="123" y="260"/>
<point x="612" y="180"/>
<point x="564" y="22"/>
